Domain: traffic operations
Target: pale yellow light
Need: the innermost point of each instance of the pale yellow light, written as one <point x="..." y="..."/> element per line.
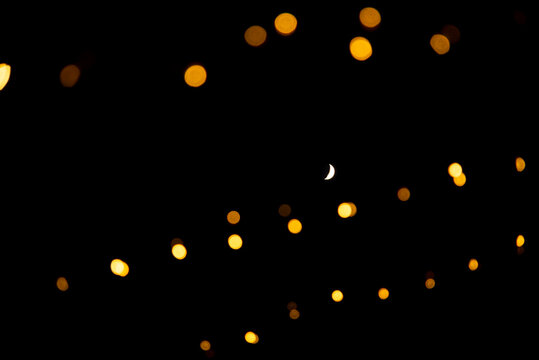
<point x="195" y="75"/>
<point x="285" y="210"/>
<point x="383" y="293"/>
<point x="369" y="17"/>
<point x="69" y="75"/>
<point x="119" y="267"/>
<point x="344" y="210"/>
<point x="295" y="226"/>
<point x="520" y="241"/>
<point x="233" y="217"/>
<point x="61" y="284"/>
<point x="430" y="283"/>
<point x="439" y="43"/>
<point x="294" y="314"/>
<point x="403" y="194"/>
<point x="285" y="24"/>
<point x="251" y="337"/>
<point x="5" y="72"/>
<point x="360" y="48"/>
<point x="179" y="251"/>
<point x="205" y="345"/>
<point x="520" y="164"/>
<point x="337" y="295"/>
<point x="255" y="35"/>
<point x="460" y="180"/>
<point x="473" y="264"/>
<point x="454" y="170"/>
<point x="235" y="241"/>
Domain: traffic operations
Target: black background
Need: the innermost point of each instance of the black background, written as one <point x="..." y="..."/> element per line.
<point x="131" y="157"/>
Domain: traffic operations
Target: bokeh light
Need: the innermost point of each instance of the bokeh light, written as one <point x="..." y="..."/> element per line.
<point x="235" y="241"/>
<point x="69" y="75"/>
<point x="285" y="210"/>
<point x="119" y="267"/>
<point x="195" y="75"/>
<point x="295" y="226"/>
<point x="205" y="345"/>
<point x="369" y="17"/>
<point x="62" y="284"/>
<point x="337" y="295"/>
<point x="233" y="217"/>
<point x="179" y="251"/>
<point x="473" y="264"/>
<point x="383" y="293"/>
<point x="360" y="48"/>
<point x="430" y="283"/>
<point x="403" y="194"/>
<point x="452" y="33"/>
<point x="520" y="241"/>
<point x="251" y="337"/>
<point x="520" y="164"/>
<point x="294" y="314"/>
<point x="347" y="209"/>
<point x="285" y="24"/>
<point x="5" y="73"/>
<point x="255" y="35"/>
<point x="460" y="180"/>
<point x="440" y="44"/>
<point x="454" y="170"/>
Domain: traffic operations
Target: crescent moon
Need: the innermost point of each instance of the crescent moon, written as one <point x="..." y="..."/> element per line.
<point x="331" y="173"/>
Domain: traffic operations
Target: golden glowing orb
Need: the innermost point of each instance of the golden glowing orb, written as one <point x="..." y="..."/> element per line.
<point x="337" y="295"/>
<point x="473" y="264"/>
<point x="285" y="24"/>
<point x="520" y="241"/>
<point x="454" y="170"/>
<point x="179" y="251"/>
<point x="233" y="217"/>
<point x="369" y="17"/>
<point x="235" y="241"/>
<point x="439" y="43"/>
<point x="430" y="283"/>
<point x="5" y="72"/>
<point x="255" y="35"/>
<point x="294" y="314"/>
<point x="251" y="337"/>
<point x="119" y="267"/>
<point x="383" y="293"/>
<point x="205" y="345"/>
<point x="195" y="75"/>
<point x="460" y="180"/>
<point x="61" y="284"/>
<point x="520" y="164"/>
<point x="360" y="48"/>
<point x="403" y="194"/>
<point x="295" y="226"/>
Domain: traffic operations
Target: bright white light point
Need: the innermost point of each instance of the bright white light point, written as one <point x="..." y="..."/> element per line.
<point x="331" y="173"/>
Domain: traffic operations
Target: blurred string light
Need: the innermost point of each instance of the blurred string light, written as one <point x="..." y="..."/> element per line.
<point x="251" y="337"/>
<point x="360" y="48"/>
<point x="473" y="264"/>
<point x="346" y="210"/>
<point x="235" y="241"/>
<point x="5" y="72"/>
<point x="233" y="217"/>
<point x="520" y="241"/>
<point x="205" y="345"/>
<point x="383" y="293"/>
<point x="430" y="283"/>
<point x="337" y="295"/>
<point x="195" y="75"/>
<point x="119" y="267"/>
<point x="520" y="164"/>
<point x="285" y="24"/>
<point x="460" y="180"/>
<point x="179" y="251"/>
<point x="255" y="35"/>
<point x="440" y="44"/>
<point x="370" y="18"/>
<point x="295" y="226"/>
<point x="455" y="171"/>
<point x="62" y="284"/>
<point x="69" y="75"/>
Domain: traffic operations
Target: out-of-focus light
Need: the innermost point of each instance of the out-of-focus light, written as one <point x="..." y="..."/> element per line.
<point x="205" y="345"/>
<point x="291" y="305"/>
<point x="179" y="251"/>
<point x="69" y="75"/>
<point x="61" y="284"/>
<point x="285" y="24"/>
<point x="452" y="33"/>
<point x="235" y="241"/>
<point x="430" y="283"/>
<point x="119" y="267"/>
<point x="440" y="44"/>
<point x="233" y="217"/>
<point x="473" y="264"/>
<point x="346" y="209"/>
<point x="369" y="17"/>
<point x="520" y="241"/>
<point x="520" y="164"/>
<point x="383" y="293"/>
<point x="195" y="75"/>
<point x="294" y="314"/>
<point x="360" y="48"/>
<point x="295" y="226"/>
<point x="403" y="194"/>
<point x="337" y="295"/>
<point x="454" y="170"/>
<point x="251" y="337"/>
<point x="460" y="180"/>
<point x="285" y="210"/>
<point x="5" y="72"/>
<point x="255" y="35"/>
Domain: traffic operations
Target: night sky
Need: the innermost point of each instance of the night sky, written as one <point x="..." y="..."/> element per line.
<point x="131" y="157"/>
